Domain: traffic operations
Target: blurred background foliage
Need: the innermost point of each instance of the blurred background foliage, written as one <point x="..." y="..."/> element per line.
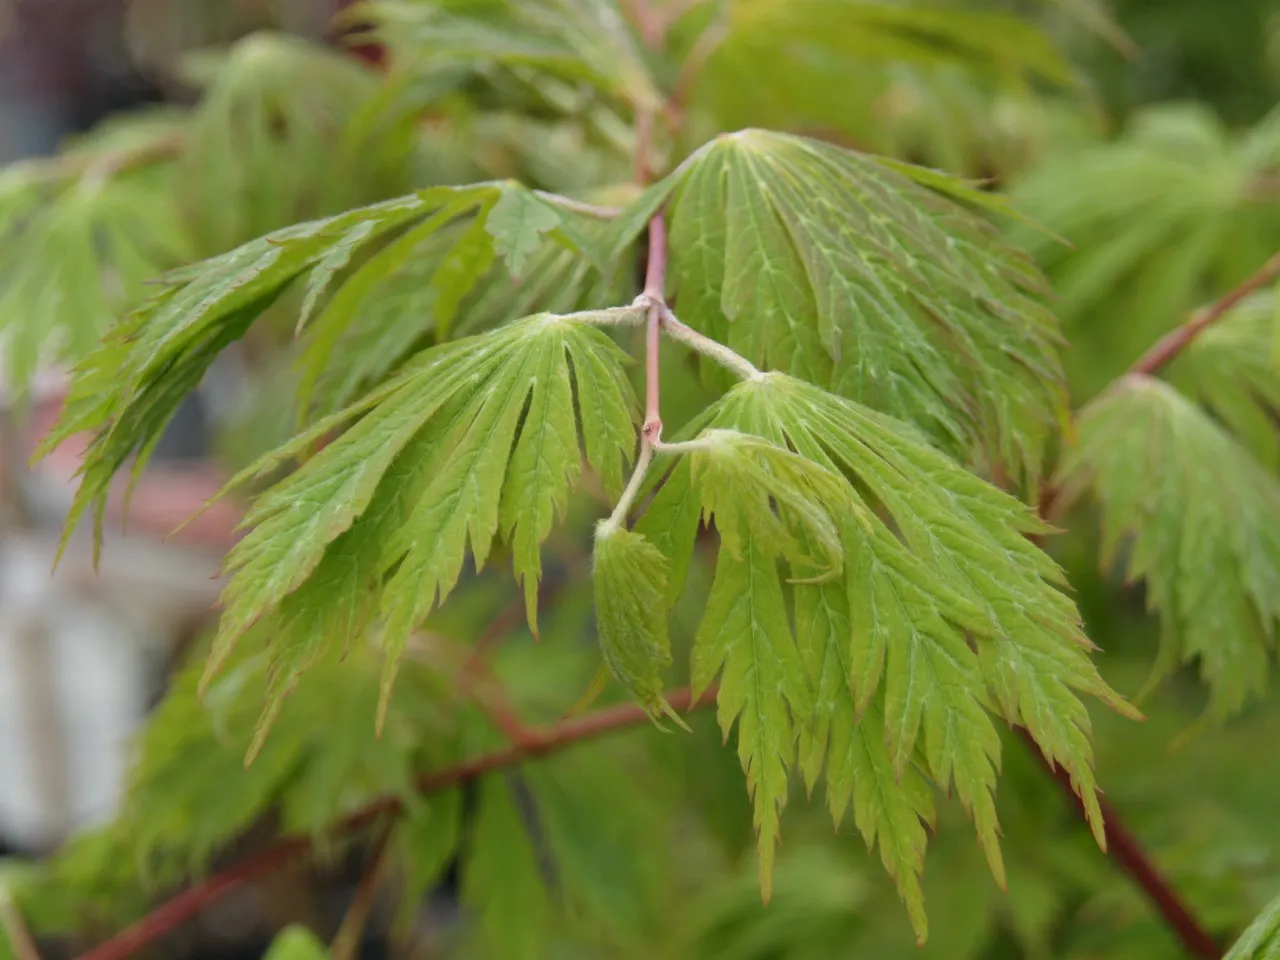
<point x="1144" y="133"/>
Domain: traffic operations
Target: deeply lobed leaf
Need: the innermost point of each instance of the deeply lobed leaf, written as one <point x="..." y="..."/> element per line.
<point x="871" y="278"/>
<point x="939" y="613"/>
<point x="473" y="439"/>
<point x="75" y="250"/>
<point x="129" y="388"/>
<point x="1201" y="520"/>
<point x="818" y="50"/>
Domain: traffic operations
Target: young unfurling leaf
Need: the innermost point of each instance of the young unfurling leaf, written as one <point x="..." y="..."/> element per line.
<point x="630" y="577"/>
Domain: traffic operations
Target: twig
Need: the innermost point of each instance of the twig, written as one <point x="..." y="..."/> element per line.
<point x="578" y="206"/>
<point x="189" y="903"/>
<point x="1129" y="854"/>
<point x="1122" y="844"/>
<point x="346" y="943"/>
<point x="655" y="282"/>
<point x="717" y="351"/>
<point x="1173" y="343"/>
<point x="1052" y="502"/>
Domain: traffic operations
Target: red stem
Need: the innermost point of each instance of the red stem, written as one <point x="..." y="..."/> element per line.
<point x="1121" y="843"/>
<point x="187" y="904"/>
<point x="1128" y="853"/>
<point x="1169" y="346"/>
<point x="1173" y="343"/>
<point x="655" y="282"/>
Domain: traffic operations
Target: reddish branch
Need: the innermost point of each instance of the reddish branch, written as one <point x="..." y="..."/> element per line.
<point x="189" y="903"/>
<point x="1127" y="851"/>
<point x="1122" y="845"/>
<point x="346" y="943"/>
<point x="1173" y="343"/>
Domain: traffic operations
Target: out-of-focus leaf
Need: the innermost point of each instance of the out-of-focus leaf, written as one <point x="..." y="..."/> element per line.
<point x="1202" y="523"/>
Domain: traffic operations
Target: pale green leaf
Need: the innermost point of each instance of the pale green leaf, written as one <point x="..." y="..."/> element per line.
<point x="544" y="465"/>
<point x="77" y="245"/>
<point x="472" y="439"/>
<point x="460" y="269"/>
<point x="941" y="613"/>
<point x="580" y="41"/>
<point x="266" y="142"/>
<point x="1261" y="941"/>
<point x="1201" y="520"/>
<point x="132" y="384"/>
<point x="630" y="577"/>
<point x="517" y="223"/>
<point x="745" y="636"/>
<point x="835" y="267"/>
<point x="1159" y="219"/>
<point x="296" y="942"/>
<point x="817" y="51"/>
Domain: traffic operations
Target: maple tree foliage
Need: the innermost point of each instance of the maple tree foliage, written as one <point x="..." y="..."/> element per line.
<point x="805" y="470"/>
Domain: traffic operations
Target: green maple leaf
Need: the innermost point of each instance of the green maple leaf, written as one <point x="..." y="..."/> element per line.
<point x="1261" y="941"/>
<point x="473" y="439"/>
<point x="1202" y="522"/>
<point x="870" y="277"/>
<point x="924" y="610"/>
<point x="130" y="387"/>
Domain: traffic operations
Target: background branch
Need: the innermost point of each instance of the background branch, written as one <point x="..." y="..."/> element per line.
<point x="346" y="943"/>
<point x="1122" y="845"/>
<point x="1175" y="341"/>
<point x="187" y="904"/>
<point x="1126" y="851"/>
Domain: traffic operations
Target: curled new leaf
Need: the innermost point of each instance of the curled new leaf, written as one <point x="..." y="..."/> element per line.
<point x="630" y="577"/>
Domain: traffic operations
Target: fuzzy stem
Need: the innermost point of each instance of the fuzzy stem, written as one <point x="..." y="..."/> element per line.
<point x="655" y="281"/>
<point x="619" y="516"/>
<point x="612" y="316"/>
<point x="685" y="446"/>
<point x="578" y="206"/>
<point x="181" y="908"/>
<point x="717" y="351"/>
